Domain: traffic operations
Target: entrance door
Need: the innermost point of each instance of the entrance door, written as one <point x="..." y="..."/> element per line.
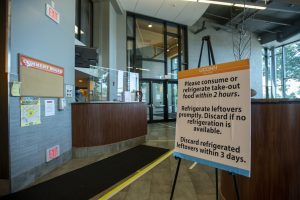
<point x="172" y="100"/>
<point x="158" y="104"/>
<point x="154" y="97"/>
<point x="161" y="99"/>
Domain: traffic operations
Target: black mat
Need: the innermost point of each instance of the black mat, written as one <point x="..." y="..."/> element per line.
<point x="89" y="181"/>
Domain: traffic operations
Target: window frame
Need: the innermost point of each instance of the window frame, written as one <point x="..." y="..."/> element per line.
<point x="180" y="29"/>
<point x="270" y="54"/>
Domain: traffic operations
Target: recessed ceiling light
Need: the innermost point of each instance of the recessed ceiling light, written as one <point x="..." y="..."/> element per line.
<point x="250" y="6"/>
<point x="149" y="25"/>
<point x="230" y="4"/>
<point x="216" y="2"/>
<point x="148" y="70"/>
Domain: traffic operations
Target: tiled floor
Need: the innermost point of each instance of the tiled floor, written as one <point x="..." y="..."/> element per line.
<point x="192" y="184"/>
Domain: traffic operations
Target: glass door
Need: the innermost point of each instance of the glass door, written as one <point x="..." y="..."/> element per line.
<point x="158" y="105"/>
<point x="145" y="88"/>
<point x="154" y="98"/>
<point x="172" y="100"/>
<point x="161" y="98"/>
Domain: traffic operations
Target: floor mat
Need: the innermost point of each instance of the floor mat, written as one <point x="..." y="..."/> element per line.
<point x="89" y="181"/>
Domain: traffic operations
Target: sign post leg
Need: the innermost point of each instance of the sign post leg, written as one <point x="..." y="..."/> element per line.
<point x="236" y="187"/>
<point x="175" y="178"/>
<point x="217" y="184"/>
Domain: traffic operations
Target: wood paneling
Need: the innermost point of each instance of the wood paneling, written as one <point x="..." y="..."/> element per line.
<point x="4" y="159"/>
<point x="106" y="123"/>
<point x="275" y="170"/>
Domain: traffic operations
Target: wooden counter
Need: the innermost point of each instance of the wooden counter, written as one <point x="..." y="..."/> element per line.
<point x="96" y="124"/>
<point x="275" y="165"/>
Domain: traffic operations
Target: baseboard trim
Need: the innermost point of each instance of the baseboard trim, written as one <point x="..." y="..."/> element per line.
<point x="81" y="152"/>
<point x="26" y="179"/>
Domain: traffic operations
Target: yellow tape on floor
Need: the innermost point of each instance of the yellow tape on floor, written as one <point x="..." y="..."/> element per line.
<point x="136" y="176"/>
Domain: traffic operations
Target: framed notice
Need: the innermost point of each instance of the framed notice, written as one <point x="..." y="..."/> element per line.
<point x="213" y="119"/>
<point x="40" y="79"/>
<point x="30" y="111"/>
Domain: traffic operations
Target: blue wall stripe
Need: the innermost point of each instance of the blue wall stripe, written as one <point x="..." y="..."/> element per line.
<point x="213" y="164"/>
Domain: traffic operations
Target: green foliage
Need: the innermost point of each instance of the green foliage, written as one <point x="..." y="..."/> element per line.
<point x="292" y="64"/>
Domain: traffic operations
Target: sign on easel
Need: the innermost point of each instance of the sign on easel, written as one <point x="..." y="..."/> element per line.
<point x="214" y="113"/>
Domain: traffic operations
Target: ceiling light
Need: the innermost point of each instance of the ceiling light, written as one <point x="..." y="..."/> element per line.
<point x="250" y="6"/>
<point x="229" y="4"/>
<point x="76" y="29"/>
<point x="149" y="25"/>
<point x="216" y="2"/>
<point x="143" y="69"/>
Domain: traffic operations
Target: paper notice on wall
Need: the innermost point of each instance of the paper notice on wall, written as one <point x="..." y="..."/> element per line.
<point x="15" y="89"/>
<point x="213" y="119"/>
<point x="49" y="108"/>
<point x="30" y="111"/>
<point x="69" y="91"/>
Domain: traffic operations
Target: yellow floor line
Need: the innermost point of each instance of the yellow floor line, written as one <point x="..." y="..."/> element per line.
<point x="135" y="177"/>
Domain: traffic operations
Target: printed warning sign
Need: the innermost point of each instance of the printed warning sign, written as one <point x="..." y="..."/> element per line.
<point x="214" y="116"/>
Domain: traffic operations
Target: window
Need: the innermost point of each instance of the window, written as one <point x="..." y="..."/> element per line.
<point x="156" y="49"/>
<point x="282" y="71"/>
<point x="84" y="22"/>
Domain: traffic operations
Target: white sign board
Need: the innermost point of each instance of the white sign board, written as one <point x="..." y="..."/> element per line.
<point x="49" y="108"/>
<point x="69" y="91"/>
<point x="214" y="113"/>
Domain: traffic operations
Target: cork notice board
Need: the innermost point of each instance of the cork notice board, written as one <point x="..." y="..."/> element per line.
<point x="40" y="79"/>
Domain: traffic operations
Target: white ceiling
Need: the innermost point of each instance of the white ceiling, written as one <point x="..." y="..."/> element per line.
<point x="179" y="11"/>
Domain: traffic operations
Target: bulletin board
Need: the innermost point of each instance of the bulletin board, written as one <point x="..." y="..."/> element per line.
<point x="40" y="79"/>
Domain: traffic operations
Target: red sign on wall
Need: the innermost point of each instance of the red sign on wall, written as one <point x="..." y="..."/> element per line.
<point x="25" y="61"/>
<point x="52" y="153"/>
<point x="52" y="13"/>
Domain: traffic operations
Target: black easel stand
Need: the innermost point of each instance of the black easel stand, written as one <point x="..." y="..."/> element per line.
<point x="236" y="187"/>
<point x="211" y="61"/>
<point x="211" y="57"/>
<point x="175" y="178"/>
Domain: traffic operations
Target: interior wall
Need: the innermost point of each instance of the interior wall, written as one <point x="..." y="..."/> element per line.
<point x="121" y="42"/>
<point x="110" y="38"/>
<point x="36" y="35"/>
<point x="223" y="51"/>
<point x="110" y="35"/>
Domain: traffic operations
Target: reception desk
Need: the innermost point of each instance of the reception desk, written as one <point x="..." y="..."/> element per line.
<point x="103" y="123"/>
<point x="275" y="154"/>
